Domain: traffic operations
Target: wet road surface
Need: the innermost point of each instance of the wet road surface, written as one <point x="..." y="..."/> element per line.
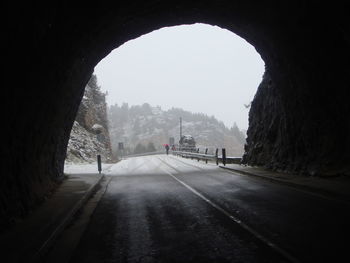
<point x="167" y="209"/>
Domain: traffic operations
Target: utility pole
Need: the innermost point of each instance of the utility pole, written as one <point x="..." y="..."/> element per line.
<point x="180" y="128"/>
<point x="180" y="144"/>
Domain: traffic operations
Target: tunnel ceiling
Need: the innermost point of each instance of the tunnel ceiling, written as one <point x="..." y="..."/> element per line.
<point x="298" y="121"/>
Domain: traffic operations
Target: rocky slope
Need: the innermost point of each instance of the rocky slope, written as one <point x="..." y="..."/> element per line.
<point x="90" y="136"/>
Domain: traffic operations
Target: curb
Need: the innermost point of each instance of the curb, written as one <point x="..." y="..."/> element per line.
<point x="66" y="220"/>
<point x="314" y="190"/>
<point x="263" y="176"/>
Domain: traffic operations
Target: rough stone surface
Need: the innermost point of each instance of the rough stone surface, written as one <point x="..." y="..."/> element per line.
<point x="84" y="146"/>
<point x="299" y="123"/>
<point x="285" y="134"/>
<point x="90" y="133"/>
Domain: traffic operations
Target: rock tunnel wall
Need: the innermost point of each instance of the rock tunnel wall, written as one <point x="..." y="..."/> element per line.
<point x="285" y="134"/>
<point x="299" y="120"/>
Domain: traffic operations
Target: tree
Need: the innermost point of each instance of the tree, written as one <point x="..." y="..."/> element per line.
<point x="137" y="127"/>
<point x="146" y="109"/>
<point x="124" y="112"/>
<point x="151" y="147"/>
<point x="238" y="133"/>
<point x="97" y="95"/>
<point x="140" y="148"/>
<point x="93" y="82"/>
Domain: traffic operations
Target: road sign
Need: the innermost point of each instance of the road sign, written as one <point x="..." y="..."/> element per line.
<point x="120" y="146"/>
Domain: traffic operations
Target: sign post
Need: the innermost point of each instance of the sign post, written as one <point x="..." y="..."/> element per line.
<point x="121" y="149"/>
<point x="224" y="156"/>
<point x="99" y="165"/>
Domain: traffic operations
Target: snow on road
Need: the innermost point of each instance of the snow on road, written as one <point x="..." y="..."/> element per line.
<point x="156" y="164"/>
<point x="137" y="165"/>
<point x="85" y="168"/>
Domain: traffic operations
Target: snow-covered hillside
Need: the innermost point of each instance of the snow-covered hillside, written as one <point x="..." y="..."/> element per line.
<point x="89" y="135"/>
<point x="146" y="124"/>
<point x="84" y="146"/>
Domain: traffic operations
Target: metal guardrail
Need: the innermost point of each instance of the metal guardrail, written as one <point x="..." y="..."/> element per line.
<point x="209" y="157"/>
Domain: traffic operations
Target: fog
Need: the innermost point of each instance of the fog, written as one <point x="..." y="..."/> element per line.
<point x="199" y="68"/>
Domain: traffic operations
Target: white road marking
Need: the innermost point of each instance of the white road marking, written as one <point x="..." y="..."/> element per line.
<point x="232" y="217"/>
<point x="272" y="180"/>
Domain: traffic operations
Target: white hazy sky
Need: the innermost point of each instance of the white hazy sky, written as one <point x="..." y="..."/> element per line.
<point x="199" y="68"/>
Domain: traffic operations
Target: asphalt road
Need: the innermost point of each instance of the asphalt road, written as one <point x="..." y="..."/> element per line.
<point x="168" y="209"/>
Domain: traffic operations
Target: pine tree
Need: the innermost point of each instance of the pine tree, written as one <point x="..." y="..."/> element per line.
<point x="140" y="148"/>
<point x="238" y="133"/>
<point x="151" y="147"/>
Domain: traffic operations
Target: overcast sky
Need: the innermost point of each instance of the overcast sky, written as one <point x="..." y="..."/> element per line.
<point x="199" y="68"/>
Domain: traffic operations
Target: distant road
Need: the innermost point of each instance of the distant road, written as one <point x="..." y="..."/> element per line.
<point x="144" y="154"/>
<point x="167" y="209"/>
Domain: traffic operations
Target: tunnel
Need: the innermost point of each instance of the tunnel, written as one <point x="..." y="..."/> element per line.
<point x="298" y="122"/>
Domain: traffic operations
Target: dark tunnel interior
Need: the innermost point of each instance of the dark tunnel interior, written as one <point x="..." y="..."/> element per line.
<point x="299" y="120"/>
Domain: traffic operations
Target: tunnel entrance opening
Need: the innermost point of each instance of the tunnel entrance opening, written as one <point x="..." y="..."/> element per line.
<point x="205" y="73"/>
<point x="299" y="116"/>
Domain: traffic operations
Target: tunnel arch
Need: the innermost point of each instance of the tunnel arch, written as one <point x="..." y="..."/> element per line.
<point x="218" y="71"/>
<point x="294" y="126"/>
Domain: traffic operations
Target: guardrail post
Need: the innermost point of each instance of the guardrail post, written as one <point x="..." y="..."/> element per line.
<point x="206" y="152"/>
<point x="217" y="156"/>
<point x="224" y="156"/>
<point x="198" y="156"/>
<point x="99" y="165"/>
